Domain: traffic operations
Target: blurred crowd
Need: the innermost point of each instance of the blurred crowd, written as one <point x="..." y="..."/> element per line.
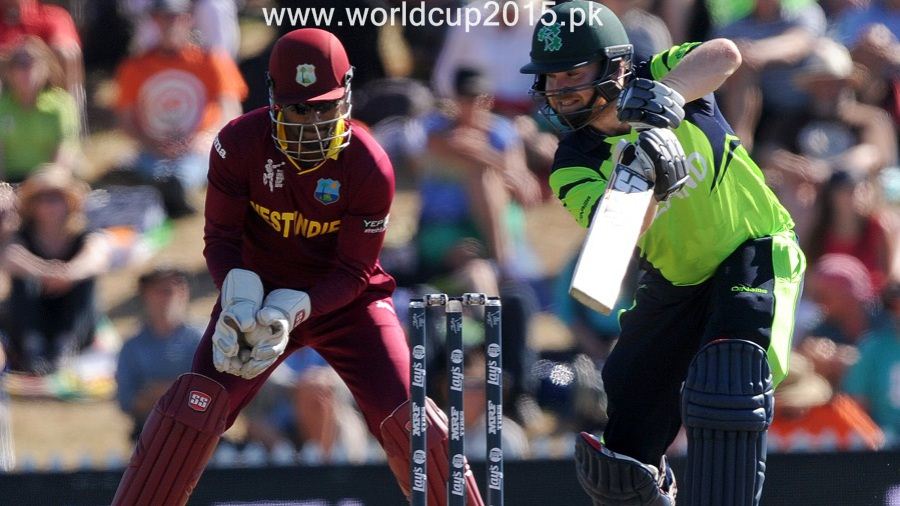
<point x="816" y="100"/>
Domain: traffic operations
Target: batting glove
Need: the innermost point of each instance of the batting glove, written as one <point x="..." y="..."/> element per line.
<point x="281" y="312"/>
<point x="650" y="104"/>
<point x="633" y="172"/>
<point x="666" y="157"/>
<point x="241" y="298"/>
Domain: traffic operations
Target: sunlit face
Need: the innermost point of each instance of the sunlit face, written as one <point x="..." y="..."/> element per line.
<point x="833" y="295"/>
<point x="166" y="299"/>
<point x="50" y="207"/>
<point x="174" y="29"/>
<point x="309" y="114"/>
<point x="26" y="73"/>
<point x="576" y="99"/>
<point x="310" y="132"/>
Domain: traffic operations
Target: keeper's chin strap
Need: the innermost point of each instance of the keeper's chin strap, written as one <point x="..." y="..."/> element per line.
<point x="333" y="148"/>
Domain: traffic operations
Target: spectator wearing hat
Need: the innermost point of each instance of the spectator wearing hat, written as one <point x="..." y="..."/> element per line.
<point x="812" y="417"/>
<point x="162" y="350"/>
<point x="871" y="31"/>
<point x="837" y="132"/>
<point x="215" y="24"/>
<point x="173" y="98"/>
<point x="875" y="378"/>
<point x="474" y="179"/>
<point x="848" y="303"/>
<point x="38" y="117"/>
<point x="471" y="235"/>
<point x="509" y="41"/>
<point x="773" y="42"/>
<point x="54" y="262"/>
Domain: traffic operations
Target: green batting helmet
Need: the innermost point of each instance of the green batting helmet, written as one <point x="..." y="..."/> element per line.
<point x="571" y="35"/>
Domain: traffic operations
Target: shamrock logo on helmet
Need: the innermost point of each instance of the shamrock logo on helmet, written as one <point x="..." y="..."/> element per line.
<point x="549" y="35"/>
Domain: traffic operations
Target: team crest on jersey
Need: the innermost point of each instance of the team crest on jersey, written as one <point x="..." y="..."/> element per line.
<point x="328" y="191"/>
<point x="306" y="74"/>
<point x="273" y="177"/>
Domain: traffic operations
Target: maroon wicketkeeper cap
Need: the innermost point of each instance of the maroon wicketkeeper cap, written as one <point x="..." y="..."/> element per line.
<point x="308" y="65"/>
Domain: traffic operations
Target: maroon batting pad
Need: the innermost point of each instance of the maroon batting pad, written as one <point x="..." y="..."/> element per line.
<point x="395" y="431"/>
<point x="178" y="439"/>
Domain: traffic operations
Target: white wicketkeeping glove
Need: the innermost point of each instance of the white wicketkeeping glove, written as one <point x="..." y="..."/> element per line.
<point x="242" y="296"/>
<point x="282" y="310"/>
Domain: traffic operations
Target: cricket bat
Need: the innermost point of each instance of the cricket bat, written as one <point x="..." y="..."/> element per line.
<point x="611" y="239"/>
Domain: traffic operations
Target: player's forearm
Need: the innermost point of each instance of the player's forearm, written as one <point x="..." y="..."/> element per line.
<point x="92" y="260"/>
<point x="359" y="244"/>
<point x="337" y="289"/>
<point x="865" y="158"/>
<point x="489" y="199"/>
<point x="18" y="261"/>
<point x="222" y="255"/>
<point x="650" y="216"/>
<point x="223" y="230"/>
<point x="878" y="131"/>
<point x="703" y="70"/>
<point x="787" y="48"/>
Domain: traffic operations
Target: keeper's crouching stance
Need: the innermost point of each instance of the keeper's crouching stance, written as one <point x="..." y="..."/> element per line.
<point x="296" y="212"/>
<point x="709" y="334"/>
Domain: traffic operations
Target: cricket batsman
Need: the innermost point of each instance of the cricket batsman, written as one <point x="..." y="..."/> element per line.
<point x="296" y="212"/>
<point x="708" y="336"/>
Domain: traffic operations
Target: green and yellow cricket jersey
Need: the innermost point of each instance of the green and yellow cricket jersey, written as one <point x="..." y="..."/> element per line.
<point x="724" y="203"/>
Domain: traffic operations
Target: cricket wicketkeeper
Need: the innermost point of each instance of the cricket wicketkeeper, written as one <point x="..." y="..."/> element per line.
<point x="296" y="212"/>
<point x="708" y="337"/>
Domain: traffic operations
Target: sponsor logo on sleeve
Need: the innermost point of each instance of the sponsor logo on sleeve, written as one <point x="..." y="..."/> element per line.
<point x="198" y="401"/>
<point x="218" y="147"/>
<point x="375" y="226"/>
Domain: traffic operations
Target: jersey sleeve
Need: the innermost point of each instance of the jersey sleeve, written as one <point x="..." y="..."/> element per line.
<point x="227" y="200"/>
<point x="663" y="63"/>
<point x="359" y="240"/>
<point x="578" y="182"/>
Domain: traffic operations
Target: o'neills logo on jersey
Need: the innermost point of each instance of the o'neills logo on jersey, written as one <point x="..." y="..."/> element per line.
<point x="293" y="223"/>
<point x="198" y="401"/>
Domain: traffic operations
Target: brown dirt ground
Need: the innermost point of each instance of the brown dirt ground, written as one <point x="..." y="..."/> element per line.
<point x="66" y="434"/>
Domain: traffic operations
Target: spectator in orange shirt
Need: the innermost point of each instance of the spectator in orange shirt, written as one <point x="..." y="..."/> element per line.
<point x="811" y="417"/>
<point x="53" y="24"/>
<point x="173" y="98"/>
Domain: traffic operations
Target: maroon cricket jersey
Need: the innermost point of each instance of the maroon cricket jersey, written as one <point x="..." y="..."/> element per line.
<point x="320" y="232"/>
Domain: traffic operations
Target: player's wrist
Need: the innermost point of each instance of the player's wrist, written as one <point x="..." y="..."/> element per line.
<point x="292" y="305"/>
